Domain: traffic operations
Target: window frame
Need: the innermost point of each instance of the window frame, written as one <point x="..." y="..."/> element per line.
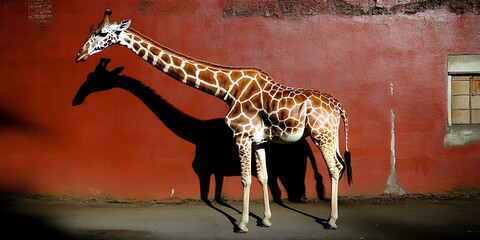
<point x="460" y="134"/>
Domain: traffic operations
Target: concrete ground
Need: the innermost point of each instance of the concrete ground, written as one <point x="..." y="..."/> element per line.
<point x="406" y="217"/>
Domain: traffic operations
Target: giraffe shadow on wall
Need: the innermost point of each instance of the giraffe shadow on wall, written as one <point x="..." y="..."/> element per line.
<point x="215" y="150"/>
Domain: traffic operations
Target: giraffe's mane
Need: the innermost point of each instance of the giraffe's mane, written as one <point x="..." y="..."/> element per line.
<point x="184" y="56"/>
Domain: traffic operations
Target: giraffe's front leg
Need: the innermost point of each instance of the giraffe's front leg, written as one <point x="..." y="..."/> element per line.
<point x="263" y="179"/>
<point x="245" y="148"/>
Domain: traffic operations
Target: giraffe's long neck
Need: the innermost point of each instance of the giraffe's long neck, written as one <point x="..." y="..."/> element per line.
<point x="210" y="78"/>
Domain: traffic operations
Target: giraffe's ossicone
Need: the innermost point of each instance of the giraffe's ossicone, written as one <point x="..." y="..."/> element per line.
<point x="260" y="109"/>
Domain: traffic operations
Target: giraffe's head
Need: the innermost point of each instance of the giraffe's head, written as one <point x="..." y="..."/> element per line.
<point x="102" y="36"/>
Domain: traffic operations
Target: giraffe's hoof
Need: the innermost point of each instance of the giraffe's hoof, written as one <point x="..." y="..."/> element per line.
<point x="330" y="225"/>
<point x="265" y="223"/>
<point x="238" y="230"/>
<point x="241" y="229"/>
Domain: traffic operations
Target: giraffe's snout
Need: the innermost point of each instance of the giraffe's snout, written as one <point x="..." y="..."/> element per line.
<point x="82" y="55"/>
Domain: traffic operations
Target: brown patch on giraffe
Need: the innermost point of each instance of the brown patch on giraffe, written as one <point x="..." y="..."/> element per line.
<point x="324" y="105"/>
<point x="150" y="58"/>
<point x="155" y="51"/>
<point x="165" y="58"/>
<point x="94" y="29"/>
<point x="284" y="102"/>
<point x="276" y="130"/>
<point x="222" y="77"/>
<point x="274" y="101"/>
<point x="136" y="39"/>
<point x="236" y="75"/>
<point x="136" y="46"/>
<point x="144" y="45"/>
<point x="142" y="52"/>
<point x="331" y="105"/>
<point x="189" y="68"/>
<point x="202" y="85"/>
<point x="250" y="91"/>
<point x="283" y="114"/>
<point x="324" y="98"/>
<point x="291" y="122"/>
<point x="191" y="80"/>
<point x="235" y="112"/>
<point x="206" y="75"/>
<point x="299" y="98"/>
<point x="178" y="73"/>
<point x="176" y="61"/>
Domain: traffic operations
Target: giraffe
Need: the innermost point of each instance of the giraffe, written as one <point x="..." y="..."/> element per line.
<point x="260" y="109"/>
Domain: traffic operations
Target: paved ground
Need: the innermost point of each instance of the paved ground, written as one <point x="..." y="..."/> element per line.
<point x="408" y="217"/>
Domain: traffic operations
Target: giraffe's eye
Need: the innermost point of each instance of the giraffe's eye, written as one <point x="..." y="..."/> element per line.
<point x="102" y="34"/>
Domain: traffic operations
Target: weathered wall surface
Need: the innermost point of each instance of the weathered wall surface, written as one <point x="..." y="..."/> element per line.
<point x="385" y="60"/>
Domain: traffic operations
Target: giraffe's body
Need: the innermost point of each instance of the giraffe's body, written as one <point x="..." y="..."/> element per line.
<point x="260" y="109"/>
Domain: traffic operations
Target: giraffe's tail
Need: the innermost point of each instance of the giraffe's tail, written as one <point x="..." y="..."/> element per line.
<point x="347" y="155"/>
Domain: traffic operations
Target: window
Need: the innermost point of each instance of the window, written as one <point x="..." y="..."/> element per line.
<point x="463" y="100"/>
<point x="465" y="105"/>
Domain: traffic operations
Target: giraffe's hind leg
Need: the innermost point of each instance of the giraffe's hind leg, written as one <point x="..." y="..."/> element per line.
<point x="335" y="167"/>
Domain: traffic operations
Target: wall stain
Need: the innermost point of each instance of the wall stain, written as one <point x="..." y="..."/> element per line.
<point x="306" y="8"/>
<point x="40" y="10"/>
<point x="147" y="5"/>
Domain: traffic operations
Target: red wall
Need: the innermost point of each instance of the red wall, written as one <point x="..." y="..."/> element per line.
<point x="113" y="145"/>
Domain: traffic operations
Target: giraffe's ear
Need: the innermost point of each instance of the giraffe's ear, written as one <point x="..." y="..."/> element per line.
<point x="124" y="24"/>
<point x="117" y="70"/>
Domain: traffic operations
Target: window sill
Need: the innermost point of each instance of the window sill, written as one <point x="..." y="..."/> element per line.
<point x="461" y="135"/>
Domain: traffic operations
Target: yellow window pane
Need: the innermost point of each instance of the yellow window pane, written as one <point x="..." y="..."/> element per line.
<point x="476" y="87"/>
<point x="460" y="102"/>
<point x="476" y="102"/>
<point x="460" y="87"/>
<point x="460" y="116"/>
<point x="475" y="116"/>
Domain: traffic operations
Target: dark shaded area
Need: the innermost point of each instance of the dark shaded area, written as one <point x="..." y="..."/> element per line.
<point x="15" y="225"/>
<point x="215" y="152"/>
<point x="9" y="119"/>
<point x="306" y="8"/>
<point x="288" y="163"/>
